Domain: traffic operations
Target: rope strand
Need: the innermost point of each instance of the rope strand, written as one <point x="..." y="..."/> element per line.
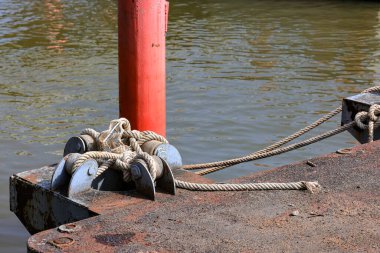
<point x="216" y="166"/>
<point x="310" y="186"/>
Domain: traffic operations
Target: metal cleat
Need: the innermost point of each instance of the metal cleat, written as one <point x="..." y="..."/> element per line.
<point x="165" y="151"/>
<point x="166" y="156"/>
<point x="144" y="181"/>
<point x="82" y="178"/>
<point x="62" y="173"/>
<point x="62" y="179"/>
<point x="69" y="183"/>
<point x="111" y="180"/>
<point x="354" y="104"/>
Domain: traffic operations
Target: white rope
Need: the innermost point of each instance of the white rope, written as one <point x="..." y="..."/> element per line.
<point x="219" y="165"/>
<point x="312" y="187"/>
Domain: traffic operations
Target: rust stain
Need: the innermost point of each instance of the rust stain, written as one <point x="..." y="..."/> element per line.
<point x="61" y="242"/>
<point x="115" y="239"/>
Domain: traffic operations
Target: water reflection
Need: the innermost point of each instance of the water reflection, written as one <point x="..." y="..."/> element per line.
<point x="54" y="16"/>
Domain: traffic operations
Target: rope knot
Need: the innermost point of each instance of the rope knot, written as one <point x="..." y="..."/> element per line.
<point x="374" y="112"/>
<point x="119" y="146"/>
<point x="366" y="120"/>
<point x="361" y="119"/>
<point x="111" y="139"/>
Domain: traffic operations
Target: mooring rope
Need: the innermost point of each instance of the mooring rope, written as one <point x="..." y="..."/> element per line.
<point x="120" y="147"/>
<point x="310" y="186"/>
<point x="270" y="147"/>
<point x="215" y="166"/>
<point x="219" y="165"/>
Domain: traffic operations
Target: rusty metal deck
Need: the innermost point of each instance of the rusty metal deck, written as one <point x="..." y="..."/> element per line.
<point x="343" y="217"/>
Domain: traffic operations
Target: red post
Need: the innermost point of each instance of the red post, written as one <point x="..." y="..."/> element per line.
<point x="142" y="98"/>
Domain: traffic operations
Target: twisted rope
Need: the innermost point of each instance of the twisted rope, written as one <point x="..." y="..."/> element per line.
<point x="216" y="166"/>
<point x="91" y="132"/>
<point x="144" y="136"/>
<point x="310" y="186"/>
<point x="96" y="155"/>
<point x="104" y="166"/>
<point x="260" y="155"/>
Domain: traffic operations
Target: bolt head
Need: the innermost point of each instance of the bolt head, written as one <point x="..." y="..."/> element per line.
<point x="74" y="145"/>
<point x="63" y="241"/>
<point x="91" y="171"/>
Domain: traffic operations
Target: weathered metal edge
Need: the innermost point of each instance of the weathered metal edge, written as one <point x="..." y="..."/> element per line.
<point x="343" y="217"/>
<point x="39" y="208"/>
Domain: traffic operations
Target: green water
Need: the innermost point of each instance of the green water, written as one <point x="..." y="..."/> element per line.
<point x="240" y="75"/>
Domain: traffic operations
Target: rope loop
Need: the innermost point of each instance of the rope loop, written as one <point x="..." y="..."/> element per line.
<point x="374" y="112"/>
<point x="111" y="140"/>
<point x="132" y="134"/>
<point x="366" y="120"/>
<point x="149" y="161"/>
<point x="361" y="119"/>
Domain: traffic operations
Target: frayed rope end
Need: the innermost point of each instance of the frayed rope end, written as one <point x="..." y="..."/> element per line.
<point x="312" y="187"/>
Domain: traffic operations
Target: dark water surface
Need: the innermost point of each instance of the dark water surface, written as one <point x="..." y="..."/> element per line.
<point x="240" y="75"/>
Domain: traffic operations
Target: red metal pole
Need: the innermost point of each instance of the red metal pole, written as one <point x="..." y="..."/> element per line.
<point x="142" y="98"/>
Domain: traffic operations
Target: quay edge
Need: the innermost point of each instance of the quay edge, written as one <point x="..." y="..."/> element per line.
<point x="343" y="217"/>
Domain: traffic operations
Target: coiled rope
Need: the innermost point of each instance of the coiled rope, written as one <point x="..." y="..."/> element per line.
<point x="119" y="147"/>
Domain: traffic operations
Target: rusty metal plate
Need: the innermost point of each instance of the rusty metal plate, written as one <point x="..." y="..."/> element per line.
<point x="343" y="217"/>
<point x="39" y="209"/>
